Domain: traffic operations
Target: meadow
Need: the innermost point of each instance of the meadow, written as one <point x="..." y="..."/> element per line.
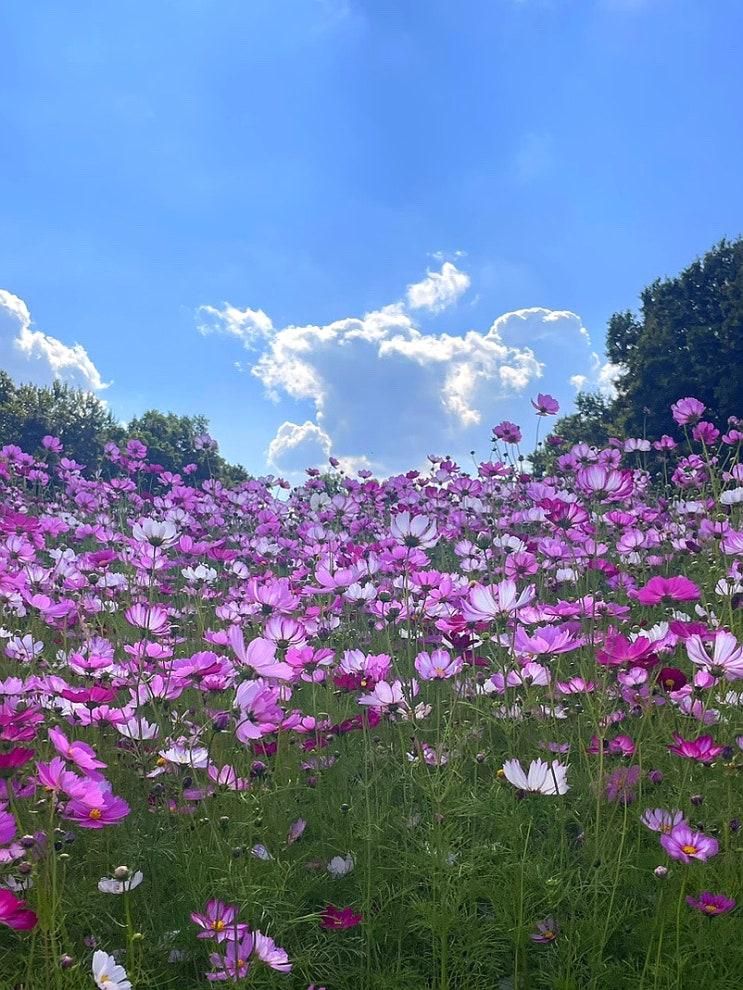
<point x="453" y="729"/>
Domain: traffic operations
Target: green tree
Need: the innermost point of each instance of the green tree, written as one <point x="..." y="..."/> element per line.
<point x="170" y="440"/>
<point x="79" y="419"/>
<point x="687" y="340"/>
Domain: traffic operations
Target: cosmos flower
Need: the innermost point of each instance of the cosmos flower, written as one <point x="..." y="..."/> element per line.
<point x="546" y="932"/>
<point x="711" y="905"/>
<point x="14" y="913"/>
<point x="108" y="974"/>
<point x="702" y="749"/>
<point x="338" y="919"/>
<point x="219" y="921"/>
<point x="545" y="405"/>
<point x="122" y="882"/>
<point x="542" y="778"/>
<point x="687" y="411"/>
<point x="660" y="820"/>
<point x="684" y="844"/>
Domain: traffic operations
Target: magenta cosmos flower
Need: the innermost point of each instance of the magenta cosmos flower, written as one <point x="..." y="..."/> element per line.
<point x="711" y="904"/>
<point x="337" y="919"/>
<point x="545" y="405"/>
<point x="96" y="809"/>
<point x="684" y="844"/>
<point x="703" y="749"/>
<point x="14" y="913"/>
<point x="507" y="431"/>
<point x="675" y="589"/>
<point x="688" y="410"/>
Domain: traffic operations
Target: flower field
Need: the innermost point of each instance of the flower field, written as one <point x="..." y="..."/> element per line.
<point x="453" y="729"/>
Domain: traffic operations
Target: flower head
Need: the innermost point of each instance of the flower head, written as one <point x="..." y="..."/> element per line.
<point x="108" y="974"/>
<point x="684" y="844"/>
<point x="711" y="904"/>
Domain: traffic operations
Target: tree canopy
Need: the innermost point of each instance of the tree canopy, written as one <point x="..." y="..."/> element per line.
<point x="85" y="425"/>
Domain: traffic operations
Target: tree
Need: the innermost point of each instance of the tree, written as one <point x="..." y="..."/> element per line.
<point x="84" y="425"/>
<point x="687" y="340"/>
<point x="80" y="420"/>
<point x="173" y="441"/>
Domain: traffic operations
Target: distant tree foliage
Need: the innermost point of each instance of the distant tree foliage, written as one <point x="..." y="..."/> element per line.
<point x="85" y="425"/>
<point x="686" y="340"/>
<point x="80" y="420"/>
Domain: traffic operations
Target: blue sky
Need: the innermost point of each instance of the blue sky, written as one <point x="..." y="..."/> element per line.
<point x="306" y="161"/>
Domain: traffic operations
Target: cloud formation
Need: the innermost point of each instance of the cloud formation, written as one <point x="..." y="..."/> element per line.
<point x="384" y="392"/>
<point x="438" y="289"/>
<point x="29" y="355"/>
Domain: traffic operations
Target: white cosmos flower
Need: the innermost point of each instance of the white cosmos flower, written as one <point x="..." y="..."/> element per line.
<point x="107" y="973"/>
<point x="541" y="779"/>
<point x="339" y="866"/>
<point x="109" y="885"/>
<point x="158" y="534"/>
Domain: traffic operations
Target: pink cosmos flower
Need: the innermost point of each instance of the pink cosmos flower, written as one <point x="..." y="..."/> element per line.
<point x="76" y="752"/>
<point x="151" y="618"/>
<point x="14" y="913"/>
<point x="507" y="431"/>
<point x="684" y="844"/>
<point x="659" y="589"/>
<point x="611" y="484"/>
<point x="545" y="405"/>
<point x="726" y="659"/>
<point x="271" y="954"/>
<point x="234" y="965"/>
<point x="219" y="922"/>
<point x="702" y="749"/>
<point x="437" y="665"/>
<point x="687" y="410"/>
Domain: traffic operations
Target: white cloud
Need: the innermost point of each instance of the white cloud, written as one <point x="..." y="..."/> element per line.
<point x="578" y="382"/>
<point x="29" y="355"/>
<point x="248" y="325"/>
<point x="607" y="376"/>
<point x="382" y="392"/>
<point x="296" y="447"/>
<point x="438" y="289"/>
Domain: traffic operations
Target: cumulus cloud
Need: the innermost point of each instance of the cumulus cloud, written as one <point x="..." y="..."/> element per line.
<point x="248" y="325"/>
<point x="296" y="447"/>
<point x="29" y="355"/>
<point x="383" y="392"/>
<point x="438" y="289"/>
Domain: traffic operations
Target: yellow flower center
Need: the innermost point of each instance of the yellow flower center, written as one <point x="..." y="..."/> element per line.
<point x="219" y="926"/>
<point x="689" y="850"/>
<point x="710" y="909"/>
<point x="95" y="814"/>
